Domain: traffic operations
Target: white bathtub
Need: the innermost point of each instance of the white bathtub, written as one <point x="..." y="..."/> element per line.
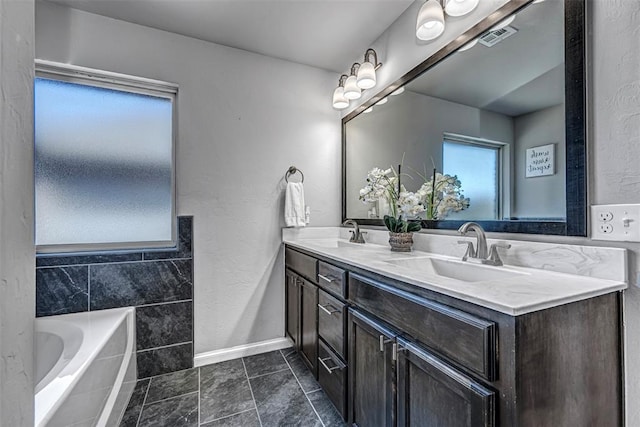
<point x="85" y="367"/>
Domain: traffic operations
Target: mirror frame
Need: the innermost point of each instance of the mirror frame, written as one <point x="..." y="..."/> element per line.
<point x="575" y="223"/>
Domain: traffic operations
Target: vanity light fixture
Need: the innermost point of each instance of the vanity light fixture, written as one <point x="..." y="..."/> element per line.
<point x="469" y="45"/>
<point x="367" y="70"/>
<point x="460" y="7"/>
<point x="505" y="22"/>
<point x="339" y="100"/>
<point x="430" y="23"/>
<point x="351" y="88"/>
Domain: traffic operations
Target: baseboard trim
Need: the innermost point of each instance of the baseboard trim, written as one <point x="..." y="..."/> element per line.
<point x="230" y="353"/>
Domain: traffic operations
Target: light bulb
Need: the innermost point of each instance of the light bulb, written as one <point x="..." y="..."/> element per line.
<point x="430" y="22"/>
<point x="351" y="89"/>
<point x="339" y="101"/>
<point x="460" y="7"/>
<point x="366" y="76"/>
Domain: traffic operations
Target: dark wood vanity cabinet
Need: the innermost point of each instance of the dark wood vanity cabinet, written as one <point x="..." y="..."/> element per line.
<point x="309" y="325"/>
<point x="292" y="303"/>
<point x="371" y="372"/>
<point x="388" y="353"/>
<point x="430" y="392"/>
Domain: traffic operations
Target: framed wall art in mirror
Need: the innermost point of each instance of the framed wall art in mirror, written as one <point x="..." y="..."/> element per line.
<point x="510" y="86"/>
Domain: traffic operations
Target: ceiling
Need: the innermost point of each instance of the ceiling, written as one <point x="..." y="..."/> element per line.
<point x="521" y="74"/>
<point x="327" y="34"/>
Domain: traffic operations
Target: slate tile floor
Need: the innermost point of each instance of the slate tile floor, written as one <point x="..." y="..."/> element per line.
<point x="269" y="389"/>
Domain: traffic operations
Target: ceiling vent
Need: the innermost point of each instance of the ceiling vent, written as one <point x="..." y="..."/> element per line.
<point x="494" y="37"/>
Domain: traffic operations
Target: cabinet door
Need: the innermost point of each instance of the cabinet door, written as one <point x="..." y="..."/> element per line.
<point x="371" y="400"/>
<point x="309" y="324"/>
<point x="431" y="393"/>
<point x="292" y="298"/>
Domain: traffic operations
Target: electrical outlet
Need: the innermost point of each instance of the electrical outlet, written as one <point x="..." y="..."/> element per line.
<point x="615" y="222"/>
<point x="605" y="216"/>
<point x="606" y="228"/>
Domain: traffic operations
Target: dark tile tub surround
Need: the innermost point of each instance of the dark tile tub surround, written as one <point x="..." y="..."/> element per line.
<point x="158" y="283"/>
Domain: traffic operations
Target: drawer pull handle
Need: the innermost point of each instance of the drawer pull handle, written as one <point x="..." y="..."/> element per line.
<point x="329" y="312"/>
<point x="330" y="370"/>
<point x="384" y="341"/>
<point x="325" y="278"/>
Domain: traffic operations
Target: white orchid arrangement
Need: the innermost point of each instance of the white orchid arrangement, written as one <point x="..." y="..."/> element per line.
<point x="441" y="195"/>
<point x="437" y="197"/>
<point x="402" y="203"/>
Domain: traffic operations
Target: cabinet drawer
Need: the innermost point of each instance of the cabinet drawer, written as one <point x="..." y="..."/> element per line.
<point x="332" y="278"/>
<point x="461" y="337"/>
<point x="332" y="374"/>
<point x="302" y="264"/>
<point x="331" y="321"/>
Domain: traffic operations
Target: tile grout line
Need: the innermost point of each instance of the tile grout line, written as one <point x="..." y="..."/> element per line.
<point x="198" y="368"/>
<point x="268" y="373"/>
<point x="152" y="304"/>
<point x="172" y="397"/>
<point x="251" y="390"/>
<point x="146" y="393"/>
<point x="166" y="373"/>
<point x="82" y="264"/>
<point x="88" y="288"/>
<point x="302" y="389"/>
<point x="165" y="346"/>
<point x="232" y="415"/>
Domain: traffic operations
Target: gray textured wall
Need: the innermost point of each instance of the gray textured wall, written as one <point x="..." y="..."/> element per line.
<point x="16" y="213"/>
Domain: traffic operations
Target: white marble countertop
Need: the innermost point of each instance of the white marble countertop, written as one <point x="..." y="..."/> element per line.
<point x="528" y="290"/>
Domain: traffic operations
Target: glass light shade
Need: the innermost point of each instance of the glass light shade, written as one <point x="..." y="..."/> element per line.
<point x="368" y="110"/>
<point x="430" y="22"/>
<point x="383" y="101"/>
<point x="503" y="23"/>
<point x="460" y="7"/>
<point x="339" y="101"/>
<point x="366" y="76"/>
<point x="469" y="45"/>
<point x="398" y="91"/>
<point x="351" y="89"/>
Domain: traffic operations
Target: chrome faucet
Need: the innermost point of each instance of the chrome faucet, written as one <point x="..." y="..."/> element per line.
<point x="356" y="234"/>
<point x="480" y="252"/>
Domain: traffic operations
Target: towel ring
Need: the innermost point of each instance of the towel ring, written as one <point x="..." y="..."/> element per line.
<point x="292" y="170"/>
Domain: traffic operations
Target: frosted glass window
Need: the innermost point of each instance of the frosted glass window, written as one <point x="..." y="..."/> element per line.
<point x="103" y="167"/>
<point x="477" y="168"/>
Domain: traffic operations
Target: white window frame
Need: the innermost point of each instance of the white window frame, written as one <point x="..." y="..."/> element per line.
<point x="503" y="186"/>
<point x="126" y="83"/>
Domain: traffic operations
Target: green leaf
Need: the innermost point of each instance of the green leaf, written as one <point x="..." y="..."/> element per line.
<point x="413" y="227"/>
<point x="390" y="222"/>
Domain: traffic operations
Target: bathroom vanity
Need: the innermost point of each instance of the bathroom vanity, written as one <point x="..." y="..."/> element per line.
<point x="393" y="341"/>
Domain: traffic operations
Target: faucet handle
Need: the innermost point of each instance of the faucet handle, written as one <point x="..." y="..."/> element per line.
<point x="470" y="252"/>
<point x="494" y="256"/>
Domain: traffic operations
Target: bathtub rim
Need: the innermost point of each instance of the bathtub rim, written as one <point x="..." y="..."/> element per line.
<point x="109" y="321"/>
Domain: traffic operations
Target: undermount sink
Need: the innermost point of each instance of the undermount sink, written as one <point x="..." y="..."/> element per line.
<point x="458" y="270"/>
<point x="336" y="243"/>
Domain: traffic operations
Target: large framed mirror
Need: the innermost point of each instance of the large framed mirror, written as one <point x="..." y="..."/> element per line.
<point x="501" y="108"/>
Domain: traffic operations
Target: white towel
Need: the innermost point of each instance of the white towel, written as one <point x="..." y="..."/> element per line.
<point x="294" y="209"/>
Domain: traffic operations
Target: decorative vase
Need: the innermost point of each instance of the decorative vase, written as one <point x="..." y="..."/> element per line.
<point x="400" y="242"/>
